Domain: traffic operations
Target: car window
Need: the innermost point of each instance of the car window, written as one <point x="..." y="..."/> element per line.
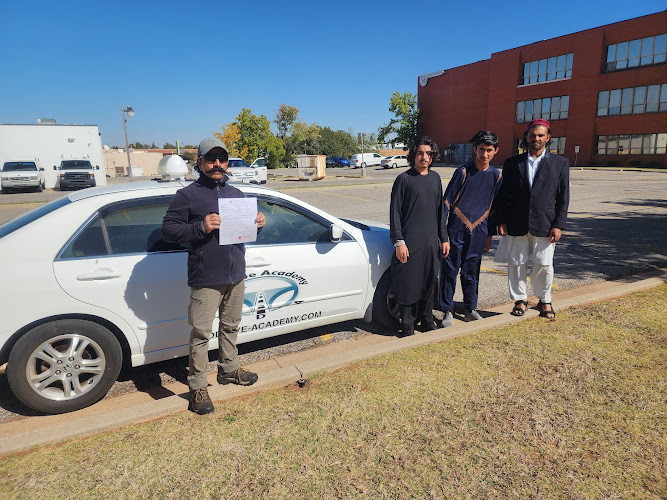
<point x="238" y="163"/>
<point x="127" y="229"/>
<point x="286" y="225"/>
<point x="375" y="155"/>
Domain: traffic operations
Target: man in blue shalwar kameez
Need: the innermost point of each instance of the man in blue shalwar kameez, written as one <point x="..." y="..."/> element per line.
<point x="467" y="205"/>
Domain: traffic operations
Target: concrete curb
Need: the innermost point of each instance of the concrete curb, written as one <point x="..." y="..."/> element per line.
<point x="284" y="376"/>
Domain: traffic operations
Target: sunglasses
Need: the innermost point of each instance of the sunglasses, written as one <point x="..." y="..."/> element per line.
<point x="211" y="158"/>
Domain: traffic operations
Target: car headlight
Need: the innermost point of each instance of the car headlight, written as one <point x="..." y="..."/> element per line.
<point x="33" y="177"/>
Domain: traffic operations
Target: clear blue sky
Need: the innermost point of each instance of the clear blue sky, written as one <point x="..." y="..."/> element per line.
<point x="187" y="68"/>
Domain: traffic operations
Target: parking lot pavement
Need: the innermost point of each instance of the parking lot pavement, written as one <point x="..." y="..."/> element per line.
<point x="617" y="227"/>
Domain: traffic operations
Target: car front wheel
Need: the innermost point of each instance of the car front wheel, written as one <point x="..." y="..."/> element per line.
<point x="385" y="307"/>
<point x="64" y="365"/>
<point x="393" y="165"/>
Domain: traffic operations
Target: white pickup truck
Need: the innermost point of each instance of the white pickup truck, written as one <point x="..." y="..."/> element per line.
<point x="240" y="171"/>
<point x="75" y="174"/>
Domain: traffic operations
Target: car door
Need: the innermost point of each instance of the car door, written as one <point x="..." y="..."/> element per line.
<point x="119" y="262"/>
<point x="296" y="276"/>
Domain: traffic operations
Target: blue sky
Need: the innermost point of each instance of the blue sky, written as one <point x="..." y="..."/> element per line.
<point x="187" y="68"/>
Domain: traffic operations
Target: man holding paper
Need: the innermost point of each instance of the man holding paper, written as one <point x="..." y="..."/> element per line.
<point x="216" y="270"/>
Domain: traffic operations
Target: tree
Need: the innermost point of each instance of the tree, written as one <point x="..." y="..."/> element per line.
<point x="371" y="142"/>
<point x="404" y="123"/>
<point x="231" y="135"/>
<point x="257" y="140"/>
<point x="285" y="118"/>
<point x="168" y="145"/>
<point x="337" y="143"/>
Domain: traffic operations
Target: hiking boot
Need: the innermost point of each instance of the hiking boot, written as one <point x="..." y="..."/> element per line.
<point x="200" y="402"/>
<point x="472" y="315"/>
<point x="448" y="319"/>
<point x="406" y="332"/>
<point x="238" y="376"/>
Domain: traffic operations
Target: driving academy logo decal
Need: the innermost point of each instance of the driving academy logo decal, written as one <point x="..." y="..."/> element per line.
<point x="270" y="291"/>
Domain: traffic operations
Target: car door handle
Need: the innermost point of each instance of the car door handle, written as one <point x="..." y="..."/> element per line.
<point x="98" y="274"/>
<point x="258" y="262"/>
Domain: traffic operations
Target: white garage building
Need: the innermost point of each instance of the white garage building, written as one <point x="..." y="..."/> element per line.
<point x="49" y="143"/>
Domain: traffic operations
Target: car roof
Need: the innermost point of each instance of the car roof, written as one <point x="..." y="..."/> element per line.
<point x="145" y="186"/>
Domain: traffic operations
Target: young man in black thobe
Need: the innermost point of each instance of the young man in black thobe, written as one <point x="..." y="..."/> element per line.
<point x="418" y="232"/>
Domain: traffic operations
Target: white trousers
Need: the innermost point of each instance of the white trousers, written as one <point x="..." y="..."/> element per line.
<point x="540" y="252"/>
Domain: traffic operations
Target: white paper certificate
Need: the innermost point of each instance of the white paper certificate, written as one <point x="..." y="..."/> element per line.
<point x="238" y="220"/>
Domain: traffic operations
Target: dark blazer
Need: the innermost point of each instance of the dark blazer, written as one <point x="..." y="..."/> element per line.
<point x="541" y="208"/>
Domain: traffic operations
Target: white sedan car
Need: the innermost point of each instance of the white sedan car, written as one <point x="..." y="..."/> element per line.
<point x="240" y="171"/>
<point x="395" y="161"/>
<point x="88" y="283"/>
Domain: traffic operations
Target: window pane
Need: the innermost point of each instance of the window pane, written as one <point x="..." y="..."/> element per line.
<point x="663" y="97"/>
<point x="551" y="68"/>
<point x="529" y="110"/>
<point x="660" y="48"/>
<point x="137" y="230"/>
<point x="520" y="106"/>
<point x="542" y="70"/>
<point x="611" y="53"/>
<point x="564" y="104"/>
<point x="626" y="101"/>
<point x="612" y="144"/>
<point x="526" y="73"/>
<point x="633" y="53"/>
<point x="560" y="67"/>
<point x="537" y="108"/>
<point x="639" y="100"/>
<point x="89" y="243"/>
<point x="602" y="145"/>
<point x="568" y="66"/>
<point x="622" y="51"/>
<point x="546" y="106"/>
<point x="284" y="225"/>
<point x="636" y="144"/>
<point x="603" y="101"/>
<point x="647" y="46"/>
<point x="649" y="144"/>
<point x="533" y="68"/>
<point x="623" y="144"/>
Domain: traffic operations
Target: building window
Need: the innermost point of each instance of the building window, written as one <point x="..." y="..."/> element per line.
<point x="550" y="108"/>
<point x="557" y="146"/>
<point x="640" y="52"/>
<point x="634" y="100"/>
<point x="544" y="70"/>
<point x="638" y="144"/>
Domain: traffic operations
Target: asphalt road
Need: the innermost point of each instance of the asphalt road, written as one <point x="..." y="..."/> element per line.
<point x="617" y="227"/>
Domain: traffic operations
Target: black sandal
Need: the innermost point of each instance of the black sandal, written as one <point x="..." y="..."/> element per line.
<point x="518" y="311"/>
<point x="550" y="313"/>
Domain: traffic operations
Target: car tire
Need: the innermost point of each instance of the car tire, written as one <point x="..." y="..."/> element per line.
<point x="40" y="188"/>
<point x="385" y="307"/>
<point x="45" y="378"/>
<point x="363" y="165"/>
<point x="393" y="165"/>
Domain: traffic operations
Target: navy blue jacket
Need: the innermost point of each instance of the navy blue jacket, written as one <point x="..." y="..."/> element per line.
<point x="209" y="263"/>
<point x="536" y="209"/>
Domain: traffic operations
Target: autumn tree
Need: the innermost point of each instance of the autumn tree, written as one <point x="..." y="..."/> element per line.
<point x="231" y="135"/>
<point x="257" y="140"/>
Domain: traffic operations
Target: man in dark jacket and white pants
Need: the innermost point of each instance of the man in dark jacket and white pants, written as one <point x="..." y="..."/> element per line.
<point x="532" y="213"/>
<point x="216" y="272"/>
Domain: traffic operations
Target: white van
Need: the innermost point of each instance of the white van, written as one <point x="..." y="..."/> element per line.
<point x="22" y="175"/>
<point x="365" y="160"/>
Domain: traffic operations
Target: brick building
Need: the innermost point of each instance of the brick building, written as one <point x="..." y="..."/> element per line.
<point x="603" y="90"/>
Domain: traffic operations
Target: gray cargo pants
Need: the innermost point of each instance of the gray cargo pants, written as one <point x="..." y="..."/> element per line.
<point x="204" y="302"/>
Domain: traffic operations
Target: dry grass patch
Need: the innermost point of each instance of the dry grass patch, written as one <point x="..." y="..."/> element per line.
<point x="575" y="408"/>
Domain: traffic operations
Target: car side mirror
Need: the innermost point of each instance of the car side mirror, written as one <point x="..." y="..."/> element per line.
<point x="335" y="233"/>
<point x="55" y="168"/>
<point x="41" y="169"/>
<point x="97" y="167"/>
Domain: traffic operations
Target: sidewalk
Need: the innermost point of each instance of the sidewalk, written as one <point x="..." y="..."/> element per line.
<point x="284" y="370"/>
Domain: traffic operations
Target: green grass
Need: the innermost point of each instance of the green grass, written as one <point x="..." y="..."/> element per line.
<point x="576" y="408"/>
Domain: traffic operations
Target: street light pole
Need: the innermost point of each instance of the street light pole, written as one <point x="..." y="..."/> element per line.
<point x="130" y="113"/>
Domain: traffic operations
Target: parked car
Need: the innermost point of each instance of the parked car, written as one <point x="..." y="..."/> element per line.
<point x="337" y="161"/>
<point x="395" y="161"/>
<point x="92" y="285"/>
<point x="74" y="174"/>
<point x="365" y="160"/>
<point x="21" y="175"/>
<point x="240" y="171"/>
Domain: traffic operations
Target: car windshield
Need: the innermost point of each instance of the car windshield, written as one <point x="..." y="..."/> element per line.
<point x="238" y="163"/>
<point x="19" y="222"/>
<point x="19" y="166"/>
<point x="72" y="164"/>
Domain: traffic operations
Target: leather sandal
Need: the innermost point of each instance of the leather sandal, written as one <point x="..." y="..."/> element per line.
<point x="547" y="313"/>
<point x="517" y="310"/>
